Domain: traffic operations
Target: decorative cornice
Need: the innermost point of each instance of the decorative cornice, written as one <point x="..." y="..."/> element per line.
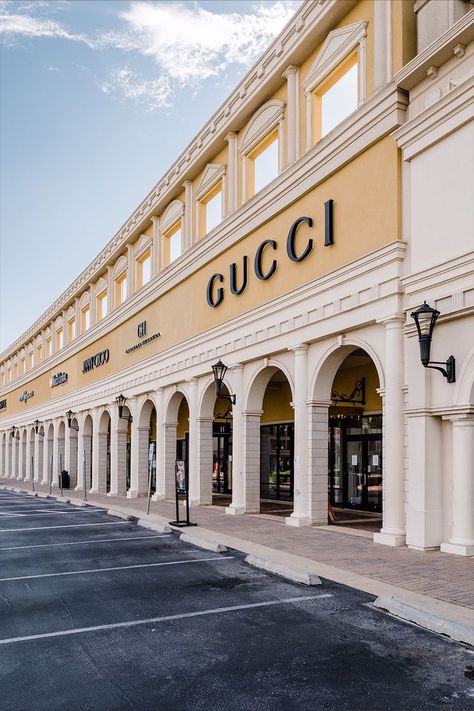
<point x="308" y="26"/>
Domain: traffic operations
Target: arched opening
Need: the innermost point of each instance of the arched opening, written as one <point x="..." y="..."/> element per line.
<point x="103" y="483"/>
<point x="30" y="465"/>
<point x="23" y="462"/>
<point x="121" y="468"/>
<point x="39" y="454"/>
<point x="147" y="446"/>
<point x="16" y="456"/>
<point x="73" y="452"/>
<point x="355" y="468"/>
<point x="87" y="451"/>
<point x="277" y="447"/>
<point x="61" y="449"/>
<point x="175" y="446"/>
<point x="182" y="433"/>
<point x="222" y="450"/>
<point x="3" y="452"/>
<point x="48" y="455"/>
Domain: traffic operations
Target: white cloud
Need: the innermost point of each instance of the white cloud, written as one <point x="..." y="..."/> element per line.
<point x="152" y="94"/>
<point x="190" y="43"/>
<point x="15" y="25"/>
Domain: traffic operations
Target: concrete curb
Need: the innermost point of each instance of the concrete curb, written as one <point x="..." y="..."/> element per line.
<point x="293" y="574"/>
<point x="121" y="514"/>
<point x="427" y="617"/>
<point x="202" y="543"/>
<point x="159" y="527"/>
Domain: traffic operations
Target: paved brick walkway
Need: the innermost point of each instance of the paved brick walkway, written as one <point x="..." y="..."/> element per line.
<point x="439" y="575"/>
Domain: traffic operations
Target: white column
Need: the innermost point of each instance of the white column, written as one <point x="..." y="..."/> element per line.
<point x="318" y="466"/>
<point x="188" y="215"/>
<point x="301" y="488"/>
<point x="382" y="43"/>
<point x="70" y="455"/>
<point x="292" y="111"/>
<point x="20" y="458"/>
<point x="159" y="494"/>
<point x="251" y="461"/>
<point x="232" y="181"/>
<point x="99" y="461"/>
<point x="61" y="452"/>
<point x="462" y="538"/>
<point x="110" y="289"/>
<point x="28" y="455"/>
<point x="155" y="247"/>
<point x="393" y="529"/>
<point x="38" y="457"/>
<point x="204" y="461"/>
<point x="193" y="455"/>
<point x="139" y="460"/>
<point x="130" y="270"/>
<point x="47" y="450"/>
<point x="55" y="452"/>
<point x="238" y="489"/>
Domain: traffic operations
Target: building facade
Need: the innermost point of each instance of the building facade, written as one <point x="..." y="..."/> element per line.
<point x="323" y="203"/>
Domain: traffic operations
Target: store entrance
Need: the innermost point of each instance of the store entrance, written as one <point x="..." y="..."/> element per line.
<point x="222" y="458"/>
<point x="355" y="462"/>
<point x="276" y="461"/>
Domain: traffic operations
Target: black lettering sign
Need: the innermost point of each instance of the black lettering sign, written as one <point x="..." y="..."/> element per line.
<point x="258" y="260"/>
<point x="209" y="291"/>
<point x="233" y="277"/>
<point x="3" y="404"/>
<point x="328" y="223"/>
<point x="95" y="361"/>
<point x="58" y="379"/>
<point x="290" y="242"/>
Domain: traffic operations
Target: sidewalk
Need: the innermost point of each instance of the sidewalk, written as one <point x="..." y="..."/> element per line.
<point x="434" y="581"/>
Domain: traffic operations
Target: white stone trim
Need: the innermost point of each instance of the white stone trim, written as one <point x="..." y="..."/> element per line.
<point x="173" y="214"/>
<point x="120" y="266"/>
<point x="263" y="122"/>
<point x="213" y="173"/>
<point x="143" y="244"/>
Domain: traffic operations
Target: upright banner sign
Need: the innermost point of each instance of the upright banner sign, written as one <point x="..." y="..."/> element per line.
<point x="181" y="485"/>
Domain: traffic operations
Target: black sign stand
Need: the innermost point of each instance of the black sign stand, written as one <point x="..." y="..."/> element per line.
<point x="181" y="479"/>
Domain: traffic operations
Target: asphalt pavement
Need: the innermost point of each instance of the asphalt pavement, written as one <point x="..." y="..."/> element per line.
<point x="99" y="614"/>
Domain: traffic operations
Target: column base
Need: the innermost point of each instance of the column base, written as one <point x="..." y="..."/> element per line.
<point x="158" y="497"/>
<point x="297" y="520"/>
<point x="78" y="488"/>
<point x="132" y="494"/>
<point x="234" y="510"/>
<point x="44" y="482"/>
<point x="458" y="549"/>
<point x="388" y="538"/>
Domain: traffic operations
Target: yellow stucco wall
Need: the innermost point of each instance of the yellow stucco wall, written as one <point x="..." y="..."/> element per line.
<point x="366" y="216"/>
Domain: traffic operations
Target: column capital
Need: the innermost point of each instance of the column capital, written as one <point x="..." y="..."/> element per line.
<point x="231" y="136"/>
<point x="154" y="219"/>
<point x="319" y="403"/>
<point x="252" y="413"/>
<point x="299" y="348"/>
<point x="236" y="367"/>
<point x="290" y="71"/>
<point x="460" y="418"/>
<point x="393" y="320"/>
<point x="187" y="184"/>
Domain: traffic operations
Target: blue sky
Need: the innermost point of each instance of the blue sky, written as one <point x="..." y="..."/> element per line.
<point x="97" y="99"/>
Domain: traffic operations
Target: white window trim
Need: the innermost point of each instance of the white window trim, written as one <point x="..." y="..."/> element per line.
<point x="172" y="216"/>
<point x="213" y="175"/>
<point x="339" y="44"/>
<point x="269" y="117"/>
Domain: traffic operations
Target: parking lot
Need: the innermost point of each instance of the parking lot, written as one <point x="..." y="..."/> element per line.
<point x="97" y="613"/>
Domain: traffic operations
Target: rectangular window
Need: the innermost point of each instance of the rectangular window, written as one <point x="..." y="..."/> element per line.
<point x="102" y="305"/>
<point x="212" y="204"/>
<point x="121" y="289"/>
<point x="48" y="345"/>
<point x="144" y="269"/>
<point x="265" y="162"/>
<point x="85" y="319"/>
<point x="71" y="329"/>
<point x="338" y="97"/>
<point x="173" y="243"/>
<point x="59" y="339"/>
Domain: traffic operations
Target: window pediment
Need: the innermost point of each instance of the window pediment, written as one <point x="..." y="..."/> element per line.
<point x="120" y="265"/>
<point x="84" y="300"/>
<point x="172" y="214"/>
<point x="338" y="44"/>
<point x="101" y="286"/>
<point x="142" y="245"/>
<point x="263" y="121"/>
<point x="212" y="174"/>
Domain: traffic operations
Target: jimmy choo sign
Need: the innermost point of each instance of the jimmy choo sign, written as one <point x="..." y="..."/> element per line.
<point x="215" y="296"/>
<point x="95" y="361"/>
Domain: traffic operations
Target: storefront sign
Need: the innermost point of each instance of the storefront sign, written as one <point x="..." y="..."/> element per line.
<point x="220" y="428"/>
<point x="95" y="361"/>
<point x="144" y="342"/>
<point x="58" y="379"/>
<point x="26" y="396"/>
<point x="215" y="296"/>
<point x="3" y="404"/>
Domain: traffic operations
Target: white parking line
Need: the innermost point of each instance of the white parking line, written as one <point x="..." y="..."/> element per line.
<point x="119" y="567"/>
<point x="166" y="618"/>
<point x="88" y="543"/>
<point x="67" y="525"/>
<point x="49" y="512"/>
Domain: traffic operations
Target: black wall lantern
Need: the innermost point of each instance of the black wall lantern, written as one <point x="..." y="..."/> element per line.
<point x="69" y="415"/>
<point x="15" y="432"/>
<point x="37" y="426"/>
<point x="219" y="370"/>
<point x="425" y="319"/>
<point x="121" y="400"/>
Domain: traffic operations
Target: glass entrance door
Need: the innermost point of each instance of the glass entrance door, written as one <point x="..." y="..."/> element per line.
<point x="222" y="464"/>
<point x="276" y="461"/>
<point x="363" y="467"/>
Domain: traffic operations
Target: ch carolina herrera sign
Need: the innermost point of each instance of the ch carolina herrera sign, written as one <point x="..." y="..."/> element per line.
<point x="95" y="361"/>
<point x="215" y="296"/>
